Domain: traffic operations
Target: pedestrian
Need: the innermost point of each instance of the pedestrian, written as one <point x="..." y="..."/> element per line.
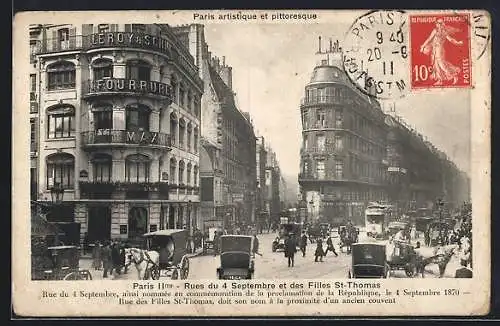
<point x="106" y="259"/>
<point x="303" y="243"/>
<point x="290" y="249"/>
<point x="463" y="271"/>
<point x="255" y="246"/>
<point x="85" y="243"/>
<point x="319" y="253"/>
<point x="115" y="258"/>
<point x="216" y="243"/>
<point x="96" y="256"/>
<point x="122" y="258"/>
<point x="330" y="246"/>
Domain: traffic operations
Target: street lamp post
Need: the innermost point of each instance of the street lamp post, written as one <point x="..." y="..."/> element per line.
<point x="56" y="194"/>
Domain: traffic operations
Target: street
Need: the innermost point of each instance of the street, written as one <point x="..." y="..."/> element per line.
<point x="273" y="265"/>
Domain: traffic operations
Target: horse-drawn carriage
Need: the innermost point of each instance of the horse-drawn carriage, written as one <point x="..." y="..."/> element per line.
<point x="62" y="263"/>
<point x="368" y="261"/>
<point x="212" y="228"/>
<point x="236" y="262"/>
<point x="165" y="254"/>
<point x="287" y="229"/>
<point x="402" y="256"/>
<point x="438" y="233"/>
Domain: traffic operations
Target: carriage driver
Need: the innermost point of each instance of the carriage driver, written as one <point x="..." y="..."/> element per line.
<point x="164" y="252"/>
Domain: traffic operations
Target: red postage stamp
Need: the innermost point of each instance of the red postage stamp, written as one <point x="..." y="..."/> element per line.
<point x="440" y="50"/>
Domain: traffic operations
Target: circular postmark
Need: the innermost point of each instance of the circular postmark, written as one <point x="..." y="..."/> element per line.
<point x="376" y="54"/>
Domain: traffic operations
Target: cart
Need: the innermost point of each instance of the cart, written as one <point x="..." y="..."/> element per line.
<point x="171" y="246"/>
<point x="236" y="262"/>
<point x="64" y="264"/>
<point x="402" y="256"/>
<point x="368" y="261"/>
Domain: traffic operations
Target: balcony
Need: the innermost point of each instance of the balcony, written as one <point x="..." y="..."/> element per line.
<point x="319" y="150"/>
<point x="88" y="188"/>
<point x="53" y="45"/>
<point x="327" y="99"/>
<point x="109" y="137"/>
<point x="123" y="86"/>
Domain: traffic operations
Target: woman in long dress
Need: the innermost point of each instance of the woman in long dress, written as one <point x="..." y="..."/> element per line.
<point x="442" y="70"/>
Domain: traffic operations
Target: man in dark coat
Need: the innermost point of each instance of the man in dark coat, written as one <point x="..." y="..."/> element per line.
<point x="255" y="246"/>
<point x="330" y="246"/>
<point x="303" y="243"/>
<point x="106" y="260"/>
<point x="319" y="253"/>
<point x="463" y="272"/>
<point x="116" y="257"/>
<point x="290" y="249"/>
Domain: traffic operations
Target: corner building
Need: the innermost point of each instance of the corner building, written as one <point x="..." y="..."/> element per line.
<point x="343" y="144"/>
<point x="119" y="128"/>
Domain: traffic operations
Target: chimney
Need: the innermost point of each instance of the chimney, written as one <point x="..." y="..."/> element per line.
<point x="319" y="44"/>
<point x="226" y="74"/>
<point x="217" y="65"/>
<point x="331" y="47"/>
<point x="224" y="61"/>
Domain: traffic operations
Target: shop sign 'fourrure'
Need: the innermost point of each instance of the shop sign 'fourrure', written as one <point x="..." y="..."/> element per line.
<point x="129" y="85"/>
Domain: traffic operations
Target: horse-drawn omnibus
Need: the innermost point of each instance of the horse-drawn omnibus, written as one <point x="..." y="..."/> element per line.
<point x="377" y="217"/>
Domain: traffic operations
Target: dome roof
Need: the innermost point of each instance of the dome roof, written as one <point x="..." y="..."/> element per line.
<point x="327" y="74"/>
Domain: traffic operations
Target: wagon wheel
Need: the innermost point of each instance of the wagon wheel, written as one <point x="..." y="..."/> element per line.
<point x="175" y="274"/>
<point x="184" y="270"/>
<point x="73" y="276"/>
<point x="155" y="272"/>
<point x="86" y="275"/>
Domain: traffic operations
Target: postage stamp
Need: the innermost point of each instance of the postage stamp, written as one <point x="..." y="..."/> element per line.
<point x="440" y="50"/>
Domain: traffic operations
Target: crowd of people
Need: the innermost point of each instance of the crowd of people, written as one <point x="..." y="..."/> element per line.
<point x="109" y="256"/>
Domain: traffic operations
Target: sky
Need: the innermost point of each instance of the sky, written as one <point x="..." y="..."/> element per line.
<point x="272" y="64"/>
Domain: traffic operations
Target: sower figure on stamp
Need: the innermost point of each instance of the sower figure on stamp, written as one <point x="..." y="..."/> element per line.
<point x="290" y="249"/>
<point x="442" y="70"/>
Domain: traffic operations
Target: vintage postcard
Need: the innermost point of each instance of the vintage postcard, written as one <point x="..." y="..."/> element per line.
<point x="251" y="163"/>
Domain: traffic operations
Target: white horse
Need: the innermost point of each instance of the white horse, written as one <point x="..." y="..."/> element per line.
<point x="143" y="261"/>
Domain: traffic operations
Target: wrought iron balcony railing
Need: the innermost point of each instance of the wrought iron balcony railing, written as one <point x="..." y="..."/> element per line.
<point x="326" y="99"/>
<point x="90" y="187"/>
<point x="101" y="137"/>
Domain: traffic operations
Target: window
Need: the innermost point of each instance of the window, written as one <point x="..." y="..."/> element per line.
<point x="339" y="142"/>
<point x="188" y="174"/>
<point x="60" y="170"/>
<point x="63" y="38"/>
<point x="304" y="142"/>
<point x="182" y="130"/>
<point x="173" y="128"/>
<point x="137" y="168"/>
<point x="320" y="142"/>
<point x="102" y="68"/>
<point x="32" y="86"/>
<point x="103" y="28"/>
<point x="102" y="165"/>
<point x="137" y="117"/>
<point x="173" y="84"/>
<point x="103" y="117"/>
<point x="61" y="76"/>
<point x="320" y="119"/>
<point x="138" y="28"/>
<point x="137" y="222"/>
<point x="195" y="175"/>
<point x="320" y="169"/>
<point x="305" y="122"/>
<point x="195" y="140"/>
<point x="173" y="171"/>
<point x="339" y="118"/>
<point x="339" y="169"/>
<point x="182" y="93"/>
<point x="33" y="143"/>
<point x="139" y="70"/>
<point x="181" y="172"/>
<point x="189" y="134"/>
<point x="61" y="122"/>
<point x="190" y="101"/>
<point x="33" y="50"/>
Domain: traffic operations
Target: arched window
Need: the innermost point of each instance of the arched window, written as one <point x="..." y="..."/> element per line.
<point x="103" y="116"/>
<point x="195" y="175"/>
<point x="138" y="69"/>
<point x="188" y="137"/>
<point x="173" y="170"/>
<point x="195" y="140"/>
<point x="182" y="131"/>
<point x="182" y="93"/>
<point x="188" y="173"/>
<point x="137" y="117"/>
<point x="102" y="68"/>
<point x="61" y="75"/>
<point x="181" y="172"/>
<point x="173" y="84"/>
<point x="173" y="128"/>
<point x="137" y="168"/>
<point x="102" y="167"/>
<point x="61" y="121"/>
<point x="137" y="222"/>
<point x="61" y="170"/>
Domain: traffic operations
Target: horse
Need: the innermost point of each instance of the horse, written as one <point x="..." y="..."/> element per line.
<point x="441" y="256"/>
<point x="143" y="260"/>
